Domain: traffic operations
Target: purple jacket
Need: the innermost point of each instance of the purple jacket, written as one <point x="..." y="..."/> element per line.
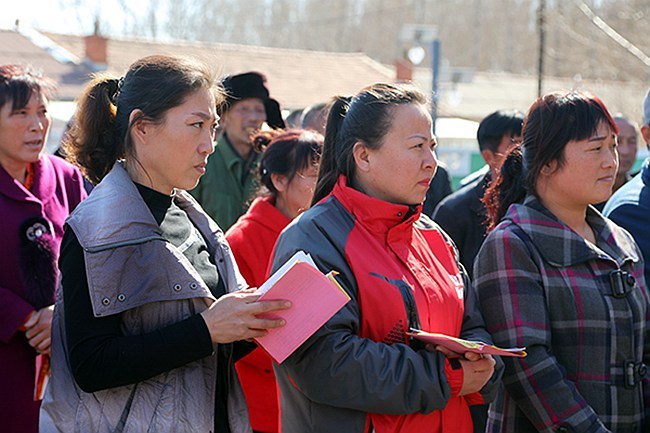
<point x="57" y="189"/>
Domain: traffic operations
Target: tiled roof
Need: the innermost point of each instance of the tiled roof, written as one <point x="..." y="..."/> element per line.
<point x="18" y="48"/>
<point x="296" y="78"/>
<point x="491" y="91"/>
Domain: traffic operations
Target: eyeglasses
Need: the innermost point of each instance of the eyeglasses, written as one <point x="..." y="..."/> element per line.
<point x="310" y="177"/>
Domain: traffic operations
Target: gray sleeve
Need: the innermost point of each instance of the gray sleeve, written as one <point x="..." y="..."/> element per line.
<point x="336" y="367"/>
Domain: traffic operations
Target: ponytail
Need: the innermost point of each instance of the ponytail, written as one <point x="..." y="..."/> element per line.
<point x="91" y="143"/>
<point x="329" y="170"/>
<point x="507" y="188"/>
<point x="152" y="85"/>
<point x="367" y="118"/>
<point x="261" y="142"/>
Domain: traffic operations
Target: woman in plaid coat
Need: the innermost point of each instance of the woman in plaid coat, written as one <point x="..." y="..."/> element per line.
<point x="557" y="277"/>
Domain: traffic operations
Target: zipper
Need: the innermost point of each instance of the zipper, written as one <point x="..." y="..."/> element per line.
<point x="411" y="308"/>
<point x="412" y="315"/>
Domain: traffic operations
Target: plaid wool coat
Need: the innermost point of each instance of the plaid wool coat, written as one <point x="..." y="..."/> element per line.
<point x="580" y="309"/>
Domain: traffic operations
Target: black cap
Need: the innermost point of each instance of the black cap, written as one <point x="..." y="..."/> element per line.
<point x="252" y="85"/>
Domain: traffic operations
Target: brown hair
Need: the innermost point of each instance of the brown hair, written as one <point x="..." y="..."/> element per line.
<point x="286" y="153"/>
<point x="552" y="121"/>
<point x="100" y="135"/>
<point x="365" y="117"/>
<point x="18" y="82"/>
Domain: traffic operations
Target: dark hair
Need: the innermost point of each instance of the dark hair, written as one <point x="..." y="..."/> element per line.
<point x="100" y="135"/>
<point x="493" y="127"/>
<point x="18" y="82"/>
<point x="286" y="153"/>
<point x="552" y="121"/>
<point x="314" y="116"/>
<point x="620" y="117"/>
<point x="366" y="117"/>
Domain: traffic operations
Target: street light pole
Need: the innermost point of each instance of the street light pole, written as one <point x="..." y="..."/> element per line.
<point x="435" y="72"/>
<point x="540" y="60"/>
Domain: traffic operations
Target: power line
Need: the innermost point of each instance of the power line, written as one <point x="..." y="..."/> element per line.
<point x="613" y="34"/>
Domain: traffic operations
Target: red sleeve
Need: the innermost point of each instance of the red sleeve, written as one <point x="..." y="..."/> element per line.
<point x="240" y="251"/>
<point x="454" y="377"/>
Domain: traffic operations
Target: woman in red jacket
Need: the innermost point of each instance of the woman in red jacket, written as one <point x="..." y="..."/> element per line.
<point x="288" y="172"/>
<point x="360" y="372"/>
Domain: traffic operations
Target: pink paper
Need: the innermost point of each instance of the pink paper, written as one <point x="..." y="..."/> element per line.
<point x="315" y="299"/>
<point x="461" y="346"/>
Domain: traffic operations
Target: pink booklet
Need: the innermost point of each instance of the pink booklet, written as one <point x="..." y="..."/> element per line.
<point x="315" y="299"/>
<point x="461" y="346"/>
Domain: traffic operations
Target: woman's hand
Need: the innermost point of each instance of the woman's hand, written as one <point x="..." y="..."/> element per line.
<point x="233" y="317"/>
<point x="476" y="373"/>
<point x="477" y="368"/>
<point x="38" y="329"/>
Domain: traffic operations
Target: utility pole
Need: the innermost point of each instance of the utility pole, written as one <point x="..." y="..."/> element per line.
<point x="542" y="37"/>
<point x="435" y="77"/>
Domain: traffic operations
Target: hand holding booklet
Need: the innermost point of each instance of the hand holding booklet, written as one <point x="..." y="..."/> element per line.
<point x="461" y="346"/>
<point x="315" y="298"/>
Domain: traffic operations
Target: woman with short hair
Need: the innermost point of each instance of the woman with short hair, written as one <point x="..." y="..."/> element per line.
<point x="557" y="277"/>
<point x="37" y="193"/>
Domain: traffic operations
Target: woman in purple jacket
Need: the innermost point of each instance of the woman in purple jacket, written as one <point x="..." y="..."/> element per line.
<point x="37" y="192"/>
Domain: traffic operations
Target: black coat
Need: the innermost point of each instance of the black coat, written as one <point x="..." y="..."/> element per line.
<point x="462" y="216"/>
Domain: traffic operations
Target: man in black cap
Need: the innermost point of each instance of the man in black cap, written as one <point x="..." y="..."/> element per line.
<point x="228" y="182"/>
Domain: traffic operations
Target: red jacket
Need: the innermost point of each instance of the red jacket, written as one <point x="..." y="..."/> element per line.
<point x="252" y="239"/>
<point x="359" y="370"/>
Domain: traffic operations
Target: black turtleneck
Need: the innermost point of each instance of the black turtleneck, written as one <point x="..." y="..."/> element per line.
<point x="101" y="356"/>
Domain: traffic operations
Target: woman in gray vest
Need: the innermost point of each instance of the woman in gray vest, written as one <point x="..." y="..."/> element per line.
<point x="146" y="327"/>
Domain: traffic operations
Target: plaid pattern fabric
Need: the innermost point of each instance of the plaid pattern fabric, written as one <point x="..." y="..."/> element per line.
<point x="542" y="286"/>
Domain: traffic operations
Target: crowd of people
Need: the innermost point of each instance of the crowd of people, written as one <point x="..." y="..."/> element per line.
<point x="128" y="283"/>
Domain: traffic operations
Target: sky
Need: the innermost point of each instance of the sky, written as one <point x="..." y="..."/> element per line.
<point x="69" y="16"/>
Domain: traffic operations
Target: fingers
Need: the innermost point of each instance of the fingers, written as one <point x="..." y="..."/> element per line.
<point x="267" y="306"/>
<point x="476" y="374"/>
<point x="472" y="356"/>
<point x="248" y="295"/>
<point x="257" y="323"/>
<point x="448" y="353"/>
<point x="255" y="333"/>
<point x="248" y="290"/>
<point x="236" y="317"/>
<point x="40" y="341"/>
<point x="483" y="364"/>
<point x="37" y="328"/>
<point x="33" y="318"/>
<point x="42" y="346"/>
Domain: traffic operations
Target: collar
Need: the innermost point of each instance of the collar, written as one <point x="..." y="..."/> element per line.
<point x="116" y="214"/>
<point x="157" y="202"/>
<point x="106" y="206"/>
<point x="42" y="189"/>
<point x="478" y="189"/>
<point x="560" y="246"/>
<point x="231" y="156"/>
<point x="645" y="171"/>
<point x="377" y="215"/>
<point x="264" y="212"/>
